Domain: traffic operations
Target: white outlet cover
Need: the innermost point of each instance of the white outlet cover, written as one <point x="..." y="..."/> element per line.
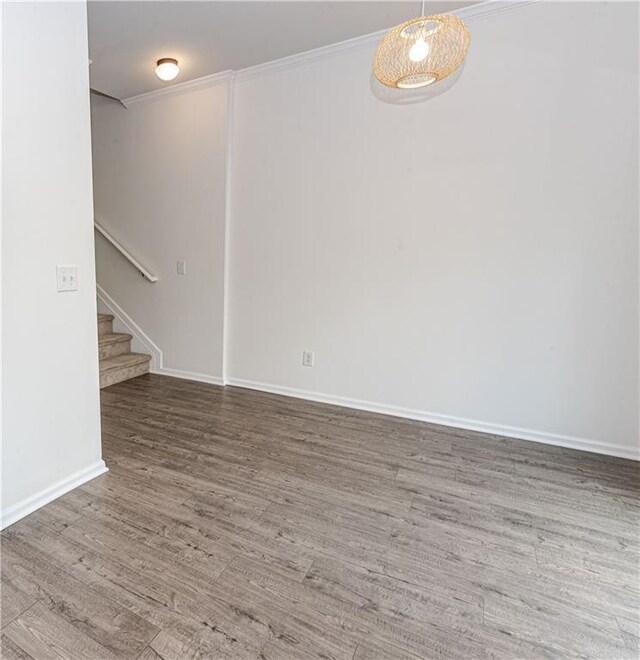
<point x="308" y="358"/>
<point x="181" y="267"/>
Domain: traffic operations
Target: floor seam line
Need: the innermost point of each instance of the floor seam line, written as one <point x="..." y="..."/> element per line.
<point x="149" y="644"/>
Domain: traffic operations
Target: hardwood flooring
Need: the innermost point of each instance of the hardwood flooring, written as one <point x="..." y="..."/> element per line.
<point x="237" y="524"/>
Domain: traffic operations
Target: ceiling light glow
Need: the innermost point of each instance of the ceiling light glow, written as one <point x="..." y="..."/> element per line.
<point x="167" y="68"/>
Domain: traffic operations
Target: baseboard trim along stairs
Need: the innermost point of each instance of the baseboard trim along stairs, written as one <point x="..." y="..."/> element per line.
<point x="117" y="362"/>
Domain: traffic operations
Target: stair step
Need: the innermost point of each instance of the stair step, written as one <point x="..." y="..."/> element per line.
<point x="122" y="367"/>
<point x="113" y="343"/>
<point x="105" y="324"/>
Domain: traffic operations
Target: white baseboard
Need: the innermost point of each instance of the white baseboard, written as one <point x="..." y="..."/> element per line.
<point x="14" y="513"/>
<point x="446" y="420"/>
<point x="518" y="433"/>
<point x="189" y="375"/>
<point x="132" y="327"/>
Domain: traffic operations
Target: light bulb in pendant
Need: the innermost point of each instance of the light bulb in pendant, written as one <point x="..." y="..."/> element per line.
<point x="419" y="50"/>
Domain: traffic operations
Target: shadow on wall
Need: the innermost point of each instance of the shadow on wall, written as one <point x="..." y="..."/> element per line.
<point x="409" y="96"/>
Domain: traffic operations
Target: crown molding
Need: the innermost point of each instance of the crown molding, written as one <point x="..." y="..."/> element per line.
<point x="180" y="88"/>
<point x="490" y="8"/>
<point x="469" y="14"/>
<point x="349" y="46"/>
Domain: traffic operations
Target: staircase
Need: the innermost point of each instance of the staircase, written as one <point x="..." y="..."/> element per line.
<point x="117" y="362"/>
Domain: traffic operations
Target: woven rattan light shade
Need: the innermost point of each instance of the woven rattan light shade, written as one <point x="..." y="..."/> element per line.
<point x="421" y="51"/>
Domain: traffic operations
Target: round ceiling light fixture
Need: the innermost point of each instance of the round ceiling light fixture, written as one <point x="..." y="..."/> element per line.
<point x="167" y="68"/>
<point x="421" y="51"/>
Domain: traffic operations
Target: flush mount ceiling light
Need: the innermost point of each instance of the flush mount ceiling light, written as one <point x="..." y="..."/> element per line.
<point x="167" y="68"/>
<point x="421" y="51"/>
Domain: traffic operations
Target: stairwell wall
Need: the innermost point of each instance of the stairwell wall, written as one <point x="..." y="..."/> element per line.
<point x="160" y="188"/>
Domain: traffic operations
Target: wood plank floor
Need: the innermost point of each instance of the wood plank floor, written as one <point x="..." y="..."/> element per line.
<point x="237" y="524"/>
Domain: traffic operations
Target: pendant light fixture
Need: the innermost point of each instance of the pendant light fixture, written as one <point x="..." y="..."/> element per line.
<point x="421" y="51"/>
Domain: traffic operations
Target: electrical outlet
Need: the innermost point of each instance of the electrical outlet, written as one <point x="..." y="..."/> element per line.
<point x="308" y="358"/>
<point x="181" y="267"/>
<point x="67" y="278"/>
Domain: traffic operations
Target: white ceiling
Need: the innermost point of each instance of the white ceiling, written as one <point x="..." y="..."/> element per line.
<point x="126" y="38"/>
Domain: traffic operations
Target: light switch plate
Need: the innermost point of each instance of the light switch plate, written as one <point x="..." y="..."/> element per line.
<point x="67" y="278"/>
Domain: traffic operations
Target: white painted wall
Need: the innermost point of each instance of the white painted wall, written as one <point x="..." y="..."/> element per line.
<point x="474" y="257"/>
<point x="159" y="182"/>
<point x="51" y="417"/>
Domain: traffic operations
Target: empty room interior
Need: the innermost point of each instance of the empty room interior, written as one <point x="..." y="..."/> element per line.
<point x="320" y="330"/>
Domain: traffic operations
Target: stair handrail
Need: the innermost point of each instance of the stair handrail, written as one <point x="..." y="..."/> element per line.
<point x="124" y="252"/>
